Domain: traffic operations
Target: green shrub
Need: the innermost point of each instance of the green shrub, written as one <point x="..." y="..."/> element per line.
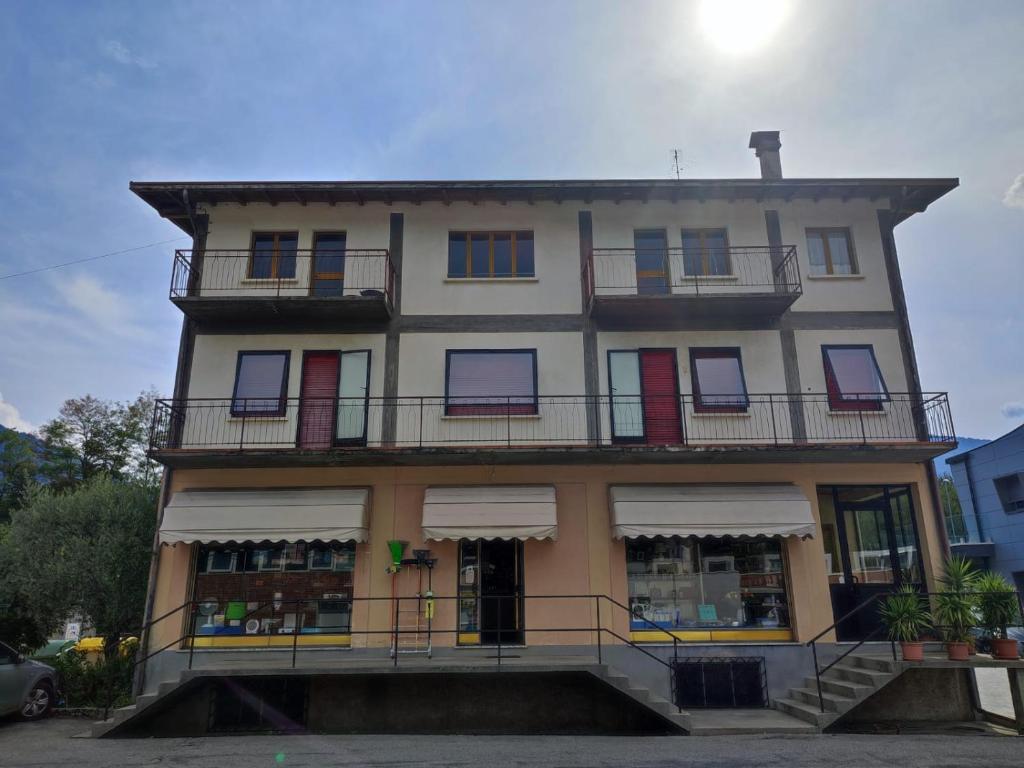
<point x="85" y="684"/>
<point x="997" y="603"/>
<point x="905" y="614"/>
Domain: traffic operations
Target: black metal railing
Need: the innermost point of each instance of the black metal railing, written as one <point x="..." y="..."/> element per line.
<point x="266" y="620"/>
<point x="549" y="421"/>
<point x="703" y="272"/>
<point x="285" y="274"/>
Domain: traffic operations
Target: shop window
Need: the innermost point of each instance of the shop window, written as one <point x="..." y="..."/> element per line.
<point x="690" y="583"/>
<point x="852" y="378"/>
<point x="491" y="382"/>
<point x="261" y="381"/>
<point x="301" y="587"/>
<point x="718" y="383"/>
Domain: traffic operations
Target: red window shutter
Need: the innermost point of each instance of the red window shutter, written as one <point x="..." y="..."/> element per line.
<point x="658" y="380"/>
<point x="319" y="399"/>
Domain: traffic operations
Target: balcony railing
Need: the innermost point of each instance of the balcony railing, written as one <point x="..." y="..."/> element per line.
<point x="354" y="424"/>
<point x="707" y="272"/>
<point x="285" y="274"/>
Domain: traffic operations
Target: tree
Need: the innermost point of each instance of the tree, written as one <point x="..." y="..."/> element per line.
<point x="956" y="527"/>
<point x="91" y="437"/>
<point x="19" y="466"/>
<point x="85" y="551"/>
<point x="18" y="628"/>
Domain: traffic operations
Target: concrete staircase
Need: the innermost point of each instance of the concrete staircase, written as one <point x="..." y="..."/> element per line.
<point x="843" y="687"/>
<point x="124" y="714"/>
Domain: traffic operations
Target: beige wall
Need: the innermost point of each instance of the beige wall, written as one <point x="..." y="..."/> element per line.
<point x="584" y="558"/>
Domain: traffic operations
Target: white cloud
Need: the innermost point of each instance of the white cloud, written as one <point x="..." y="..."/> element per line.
<point x="119" y="52"/>
<point x="10" y="417"/>
<point x="1014" y="197"/>
<point x="1013" y="410"/>
<point x="106" y="309"/>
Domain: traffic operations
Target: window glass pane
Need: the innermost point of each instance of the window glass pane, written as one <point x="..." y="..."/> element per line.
<point x="651" y="250"/>
<point x="830" y="537"/>
<point x="262" y="257"/>
<point x="330" y="254"/>
<point x="868" y="541"/>
<point x="855" y="373"/>
<point x="524" y="254"/>
<point x="839" y="249"/>
<point x="457" y="254"/>
<point x="496" y="378"/>
<point x="503" y="254"/>
<point x="627" y="409"/>
<point x="352" y="395"/>
<point x="260" y="381"/>
<point x="816" y="254"/>
<point x="717" y="253"/>
<point x="718" y="378"/>
<point x="287" y="245"/>
<point x="906" y="541"/>
<point x="480" y="254"/>
<point x="678" y="583"/>
<point x="693" y="263"/>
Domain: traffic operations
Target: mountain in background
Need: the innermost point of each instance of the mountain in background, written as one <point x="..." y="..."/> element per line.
<point x="966" y="444"/>
<point x="37" y="444"/>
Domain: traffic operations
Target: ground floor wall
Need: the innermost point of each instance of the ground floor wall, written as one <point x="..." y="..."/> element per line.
<point x="584" y="559"/>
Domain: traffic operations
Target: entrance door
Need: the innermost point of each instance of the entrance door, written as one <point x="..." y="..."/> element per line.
<point x="644" y="390"/>
<point x="493" y="570"/>
<point x="327" y="274"/>
<point x="652" y="274"/>
<point x="877" y="546"/>
<point x="317" y="400"/>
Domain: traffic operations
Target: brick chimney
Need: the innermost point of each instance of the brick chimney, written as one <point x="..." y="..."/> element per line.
<point x="766" y="146"/>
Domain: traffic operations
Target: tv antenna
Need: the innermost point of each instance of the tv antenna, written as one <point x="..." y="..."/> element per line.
<point x="676" y="167"/>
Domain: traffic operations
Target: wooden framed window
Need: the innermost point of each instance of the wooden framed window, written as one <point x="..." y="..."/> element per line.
<point x="327" y="273"/>
<point x="718" y="382"/>
<point x="853" y="379"/>
<point x="490" y="254"/>
<point x="490" y="382"/>
<point x="273" y="255"/>
<point x="652" y="268"/>
<point x="706" y="253"/>
<point x="830" y="251"/>
<point x="261" y="381"/>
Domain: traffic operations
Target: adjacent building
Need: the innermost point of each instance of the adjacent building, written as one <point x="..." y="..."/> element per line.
<point x="673" y="418"/>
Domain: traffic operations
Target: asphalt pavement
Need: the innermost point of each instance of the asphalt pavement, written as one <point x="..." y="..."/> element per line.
<point x="52" y="743"/>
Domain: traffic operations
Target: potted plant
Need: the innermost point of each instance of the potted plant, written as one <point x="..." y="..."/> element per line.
<point x="997" y="604"/>
<point x="955" y="606"/>
<point x="906" y="616"/>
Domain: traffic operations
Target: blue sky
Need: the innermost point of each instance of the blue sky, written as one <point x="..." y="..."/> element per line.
<point x="99" y="94"/>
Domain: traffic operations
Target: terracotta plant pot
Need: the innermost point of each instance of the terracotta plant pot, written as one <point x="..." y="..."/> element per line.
<point x="912" y="651"/>
<point x="1004" y="649"/>
<point x="956" y="651"/>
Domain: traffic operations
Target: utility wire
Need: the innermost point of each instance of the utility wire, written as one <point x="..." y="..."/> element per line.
<point x="92" y="258"/>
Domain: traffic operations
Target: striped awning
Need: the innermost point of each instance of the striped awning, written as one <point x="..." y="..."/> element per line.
<point x="490" y="512"/>
<point x="640" y="511"/>
<point x="307" y="514"/>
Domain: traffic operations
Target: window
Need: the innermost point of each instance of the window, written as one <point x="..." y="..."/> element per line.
<point x="652" y="270"/>
<point x="499" y="382"/>
<point x="490" y="254"/>
<point x="679" y="583"/>
<point x="706" y="253"/>
<point x="273" y="255"/>
<point x="261" y="379"/>
<point x="645" y="403"/>
<point x="852" y="378"/>
<point x="221" y="561"/>
<point x="328" y="273"/>
<point x="718" y="383"/>
<point x="1011" y="492"/>
<point x="830" y="252"/>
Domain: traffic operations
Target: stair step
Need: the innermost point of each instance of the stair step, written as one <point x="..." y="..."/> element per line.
<point x="875" y="663"/>
<point x="833" y="702"/>
<point x="840" y="687"/>
<point x="806" y="712"/>
<point x="860" y="675"/>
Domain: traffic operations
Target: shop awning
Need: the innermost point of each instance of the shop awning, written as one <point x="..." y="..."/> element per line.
<point x="309" y="514"/>
<point x="490" y="512"/>
<point x="710" y="510"/>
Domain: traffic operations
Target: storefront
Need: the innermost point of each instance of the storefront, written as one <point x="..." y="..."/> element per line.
<point x="707" y="563"/>
<point x="272" y="567"/>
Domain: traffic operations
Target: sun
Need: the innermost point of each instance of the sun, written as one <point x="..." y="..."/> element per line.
<point x="742" y="26"/>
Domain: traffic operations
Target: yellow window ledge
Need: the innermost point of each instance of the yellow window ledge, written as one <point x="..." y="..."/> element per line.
<point x="713" y="635"/>
<point x="270" y="641"/>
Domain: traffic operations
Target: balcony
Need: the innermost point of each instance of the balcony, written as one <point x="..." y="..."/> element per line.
<point x="294" y="285"/>
<point x="565" y="429"/>
<point x="637" y="288"/>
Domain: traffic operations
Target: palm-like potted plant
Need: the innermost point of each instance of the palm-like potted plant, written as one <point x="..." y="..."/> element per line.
<point x="906" y="616"/>
<point x="997" y="604"/>
<point x="955" y="606"/>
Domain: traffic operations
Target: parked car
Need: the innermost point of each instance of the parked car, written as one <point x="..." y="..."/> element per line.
<point x="27" y="688"/>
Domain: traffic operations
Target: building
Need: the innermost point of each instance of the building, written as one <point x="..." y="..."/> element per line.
<point x="990" y="485"/>
<point x="649" y="419"/>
